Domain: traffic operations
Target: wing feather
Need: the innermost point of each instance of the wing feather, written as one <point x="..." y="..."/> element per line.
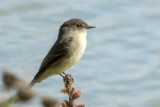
<point x="56" y="52"/>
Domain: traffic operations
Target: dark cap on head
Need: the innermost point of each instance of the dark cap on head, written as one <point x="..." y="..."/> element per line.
<point x="78" y="23"/>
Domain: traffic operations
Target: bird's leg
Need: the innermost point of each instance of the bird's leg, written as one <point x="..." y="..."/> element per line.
<point x="64" y="73"/>
<point x="63" y="76"/>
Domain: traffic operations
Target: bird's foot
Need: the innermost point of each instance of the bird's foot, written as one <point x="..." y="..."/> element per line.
<point x="61" y="75"/>
<point x="64" y="73"/>
<point x="67" y="78"/>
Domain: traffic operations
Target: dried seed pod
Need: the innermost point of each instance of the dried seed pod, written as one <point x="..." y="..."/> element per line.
<point x="49" y="102"/>
<point x="64" y="104"/>
<point x="25" y="94"/>
<point x="9" y="80"/>
<point x="81" y="105"/>
<point x="64" y="90"/>
<point x="72" y="104"/>
<point x="76" y="95"/>
<point x="72" y="92"/>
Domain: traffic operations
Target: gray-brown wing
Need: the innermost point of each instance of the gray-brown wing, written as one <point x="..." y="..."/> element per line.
<point x="56" y="52"/>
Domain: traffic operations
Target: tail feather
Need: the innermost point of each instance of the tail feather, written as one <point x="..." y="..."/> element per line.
<point x="32" y="83"/>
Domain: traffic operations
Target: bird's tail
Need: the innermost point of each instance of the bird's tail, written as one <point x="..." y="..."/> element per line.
<point x="32" y="83"/>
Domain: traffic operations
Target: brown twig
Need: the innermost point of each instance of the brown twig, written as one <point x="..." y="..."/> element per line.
<point x="72" y="93"/>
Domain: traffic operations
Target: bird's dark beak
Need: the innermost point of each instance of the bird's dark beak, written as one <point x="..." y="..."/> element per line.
<point x="89" y="27"/>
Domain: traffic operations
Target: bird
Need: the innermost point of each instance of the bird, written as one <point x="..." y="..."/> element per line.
<point x="66" y="51"/>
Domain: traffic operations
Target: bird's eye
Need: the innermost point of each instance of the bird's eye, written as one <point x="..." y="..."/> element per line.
<point x="79" y="25"/>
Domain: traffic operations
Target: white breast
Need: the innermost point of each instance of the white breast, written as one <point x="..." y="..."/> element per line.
<point x="80" y="43"/>
<point x="83" y="43"/>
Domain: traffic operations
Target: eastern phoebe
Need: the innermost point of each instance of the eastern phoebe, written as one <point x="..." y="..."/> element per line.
<point x="66" y="51"/>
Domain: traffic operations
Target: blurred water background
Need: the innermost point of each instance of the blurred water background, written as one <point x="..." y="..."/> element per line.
<point x="121" y="65"/>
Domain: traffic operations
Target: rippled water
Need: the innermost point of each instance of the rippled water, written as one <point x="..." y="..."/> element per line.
<point x="120" y="67"/>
